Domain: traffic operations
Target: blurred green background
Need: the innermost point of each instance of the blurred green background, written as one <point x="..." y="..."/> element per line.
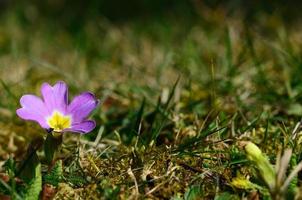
<point x="233" y="55"/>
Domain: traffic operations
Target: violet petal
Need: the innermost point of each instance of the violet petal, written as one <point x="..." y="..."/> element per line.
<point x="33" y="108"/>
<point x="56" y="97"/>
<point x="83" y="127"/>
<point x="81" y="106"/>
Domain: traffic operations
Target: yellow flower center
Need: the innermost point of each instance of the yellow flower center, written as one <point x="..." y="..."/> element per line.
<point x="58" y="121"/>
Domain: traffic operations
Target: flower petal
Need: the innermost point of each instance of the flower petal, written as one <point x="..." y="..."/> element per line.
<point x="81" y="106"/>
<point x="83" y="127"/>
<point x="33" y="108"/>
<point x="56" y="97"/>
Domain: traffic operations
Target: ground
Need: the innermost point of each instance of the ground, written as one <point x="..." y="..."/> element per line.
<point x="180" y="96"/>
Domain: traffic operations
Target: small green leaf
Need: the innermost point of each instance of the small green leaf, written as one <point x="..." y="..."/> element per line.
<point x="243" y="183"/>
<point x="10" y="166"/>
<point x="55" y="176"/>
<point x="262" y="164"/>
<point x="51" y="146"/>
<point x="35" y="185"/>
<point x="226" y="196"/>
<point x="26" y="170"/>
<point x="193" y="193"/>
<point x="76" y="180"/>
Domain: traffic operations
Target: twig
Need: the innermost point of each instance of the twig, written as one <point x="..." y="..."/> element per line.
<point x="135" y="182"/>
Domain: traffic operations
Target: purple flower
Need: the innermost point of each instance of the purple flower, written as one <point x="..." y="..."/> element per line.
<point x="53" y="111"/>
